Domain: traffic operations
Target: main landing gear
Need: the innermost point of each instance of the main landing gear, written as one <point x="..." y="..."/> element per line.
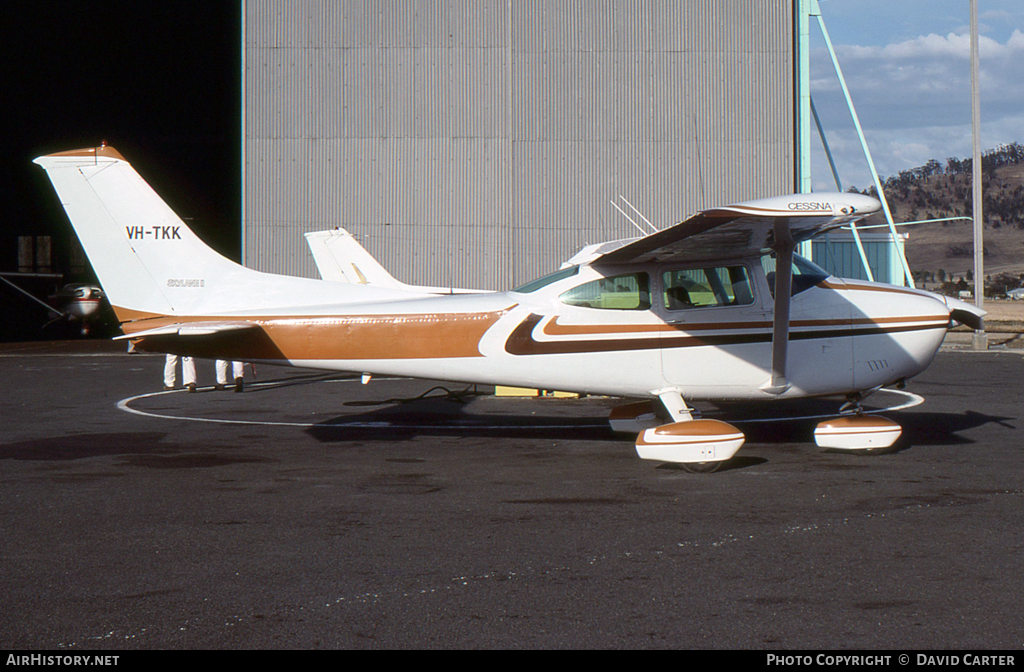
<point x="696" y="445"/>
<point x="703" y="445"/>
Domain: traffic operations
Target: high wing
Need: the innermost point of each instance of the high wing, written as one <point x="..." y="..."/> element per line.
<point x="747" y="229"/>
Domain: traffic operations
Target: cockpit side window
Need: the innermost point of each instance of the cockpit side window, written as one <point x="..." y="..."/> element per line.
<point x="707" y="287"/>
<point x="630" y="291"/>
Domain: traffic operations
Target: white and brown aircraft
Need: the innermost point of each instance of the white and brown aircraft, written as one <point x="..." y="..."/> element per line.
<point x="717" y="307"/>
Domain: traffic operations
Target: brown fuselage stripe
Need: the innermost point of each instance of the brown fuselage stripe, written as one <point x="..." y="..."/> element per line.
<point x="692" y="439"/>
<point x="130" y="315"/>
<point x="425" y="336"/>
<point x="522" y="342"/>
<point x="854" y="287"/>
<point x="553" y="328"/>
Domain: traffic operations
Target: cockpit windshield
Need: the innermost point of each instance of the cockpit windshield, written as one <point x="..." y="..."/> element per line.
<point x="546" y="280"/>
<point x="806" y="274"/>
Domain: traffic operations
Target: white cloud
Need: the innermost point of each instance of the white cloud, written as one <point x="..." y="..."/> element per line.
<point x="913" y="100"/>
<point x="932" y="46"/>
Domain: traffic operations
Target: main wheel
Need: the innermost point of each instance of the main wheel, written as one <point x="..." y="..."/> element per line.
<point x="701" y="467"/>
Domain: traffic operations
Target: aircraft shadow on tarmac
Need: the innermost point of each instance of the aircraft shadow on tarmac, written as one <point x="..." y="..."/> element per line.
<point x="442" y="412"/>
<point x="919" y="428"/>
<point x="442" y="416"/>
<point x="790" y="423"/>
<point x="81" y="446"/>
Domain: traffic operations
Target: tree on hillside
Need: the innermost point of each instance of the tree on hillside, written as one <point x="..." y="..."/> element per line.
<point x="1001" y="284"/>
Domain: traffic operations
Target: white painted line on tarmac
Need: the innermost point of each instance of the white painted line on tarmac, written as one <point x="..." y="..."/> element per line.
<point x="125" y="405"/>
<point x="910" y="400"/>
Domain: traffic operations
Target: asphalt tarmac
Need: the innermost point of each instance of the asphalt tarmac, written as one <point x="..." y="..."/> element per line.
<point x="311" y="511"/>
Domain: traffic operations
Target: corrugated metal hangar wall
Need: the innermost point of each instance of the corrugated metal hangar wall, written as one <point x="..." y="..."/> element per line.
<point x="478" y="143"/>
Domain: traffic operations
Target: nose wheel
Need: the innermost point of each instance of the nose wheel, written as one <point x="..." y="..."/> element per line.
<point x="855" y="431"/>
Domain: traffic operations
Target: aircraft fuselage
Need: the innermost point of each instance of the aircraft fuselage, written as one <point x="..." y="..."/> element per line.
<point x="619" y="331"/>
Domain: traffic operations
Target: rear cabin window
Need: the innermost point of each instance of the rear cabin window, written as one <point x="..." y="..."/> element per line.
<point x="707" y="287"/>
<point x="621" y="292"/>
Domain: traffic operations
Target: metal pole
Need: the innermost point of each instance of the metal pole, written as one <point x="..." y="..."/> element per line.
<point x="828" y="150"/>
<point x="805" y="8"/>
<point x="839" y="187"/>
<point x="980" y="340"/>
<point x="784" y="247"/>
<point x="867" y="152"/>
<point x="804" y="104"/>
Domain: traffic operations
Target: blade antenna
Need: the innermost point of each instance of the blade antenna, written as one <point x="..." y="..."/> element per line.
<point x="639" y="213"/>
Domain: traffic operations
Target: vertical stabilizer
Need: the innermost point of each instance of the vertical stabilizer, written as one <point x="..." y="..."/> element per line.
<point x="145" y="257"/>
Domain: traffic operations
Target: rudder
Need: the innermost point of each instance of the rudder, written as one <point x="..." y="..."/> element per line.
<point x="144" y="255"/>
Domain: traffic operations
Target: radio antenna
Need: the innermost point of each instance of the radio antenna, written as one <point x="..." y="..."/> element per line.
<point x="639" y="213"/>
<point x="638" y="227"/>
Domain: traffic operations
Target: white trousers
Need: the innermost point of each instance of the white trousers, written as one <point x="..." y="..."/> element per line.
<point x="237" y="371"/>
<point x="188" y="370"/>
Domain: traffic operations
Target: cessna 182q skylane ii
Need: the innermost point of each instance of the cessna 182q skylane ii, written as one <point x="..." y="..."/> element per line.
<point x="717" y="307"/>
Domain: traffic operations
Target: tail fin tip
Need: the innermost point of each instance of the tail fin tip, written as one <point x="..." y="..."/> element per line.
<point x="104" y="150"/>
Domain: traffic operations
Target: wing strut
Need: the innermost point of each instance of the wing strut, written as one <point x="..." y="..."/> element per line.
<point x="784" y="246"/>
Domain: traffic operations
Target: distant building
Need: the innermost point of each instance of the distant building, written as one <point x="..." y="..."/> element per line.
<point x="837" y="253"/>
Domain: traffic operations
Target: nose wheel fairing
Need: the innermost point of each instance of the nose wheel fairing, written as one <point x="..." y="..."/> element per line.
<point x="857" y="432"/>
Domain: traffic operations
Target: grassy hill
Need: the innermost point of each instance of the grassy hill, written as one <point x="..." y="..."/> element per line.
<point x="937" y="191"/>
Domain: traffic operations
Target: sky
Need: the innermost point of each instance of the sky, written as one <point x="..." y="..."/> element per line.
<point x="160" y="81"/>
<point x="907" y="65"/>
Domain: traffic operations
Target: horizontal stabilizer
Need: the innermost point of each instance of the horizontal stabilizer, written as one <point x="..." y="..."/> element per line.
<point x="187" y="329"/>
